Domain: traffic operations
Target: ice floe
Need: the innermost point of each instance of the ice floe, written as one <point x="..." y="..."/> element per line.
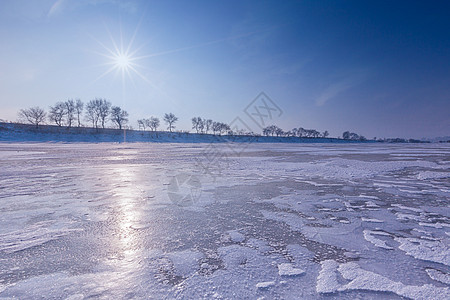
<point x="288" y="269"/>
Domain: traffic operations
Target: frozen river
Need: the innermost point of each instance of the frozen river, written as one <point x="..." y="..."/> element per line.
<point x="271" y="221"/>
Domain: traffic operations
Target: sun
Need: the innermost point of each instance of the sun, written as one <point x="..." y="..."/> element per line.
<point x="122" y="61"/>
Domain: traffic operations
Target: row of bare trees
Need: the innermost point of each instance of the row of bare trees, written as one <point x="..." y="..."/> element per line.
<point x="153" y="122"/>
<point x="68" y="113"/>
<point x="206" y="125"/>
<point x="99" y="111"/>
<point x="347" y="135"/>
<point x="274" y="130"/>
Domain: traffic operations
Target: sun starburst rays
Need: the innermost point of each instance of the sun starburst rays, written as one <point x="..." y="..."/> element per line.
<point x="121" y="60"/>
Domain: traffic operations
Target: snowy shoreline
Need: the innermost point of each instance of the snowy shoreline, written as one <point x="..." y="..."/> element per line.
<point x="13" y="132"/>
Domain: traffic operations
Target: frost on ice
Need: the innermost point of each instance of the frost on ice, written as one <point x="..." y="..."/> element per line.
<point x="280" y="222"/>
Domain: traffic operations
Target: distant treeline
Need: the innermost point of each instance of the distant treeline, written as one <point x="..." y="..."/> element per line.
<point x="99" y="113"/>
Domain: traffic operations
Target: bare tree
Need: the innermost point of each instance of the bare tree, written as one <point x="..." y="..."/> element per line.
<point x="208" y="125"/>
<point x="153" y="123"/>
<point x="225" y="128"/>
<point x="279" y="131"/>
<point x="142" y="123"/>
<point x="219" y="127"/>
<point x="201" y="125"/>
<point x="354" y="136"/>
<point x="272" y="130"/>
<point x="170" y="119"/>
<point x="57" y="113"/>
<point x="119" y="116"/>
<point x="215" y="126"/>
<point x="97" y="111"/>
<point x="92" y="113"/>
<point x="79" y="110"/>
<point x="301" y="131"/>
<point x="197" y="123"/>
<point x="325" y="134"/>
<point x="34" y="115"/>
<point x="70" y="111"/>
<point x="103" y="110"/>
<point x="346" y="135"/>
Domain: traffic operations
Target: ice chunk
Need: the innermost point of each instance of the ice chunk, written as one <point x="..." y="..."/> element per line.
<point x="438" y="275"/>
<point x="327" y="280"/>
<point x="369" y="236"/>
<point x="436" y="251"/>
<point x="185" y="262"/>
<point x="236" y="236"/>
<point x="371" y="220"/>
<point x="369" y="281"/>
<point x="407" y="208"/>
<point x="73" y="297"/>
<point x="265" y="285"/>
<point x="287" y="269"/>
<point x="423" y="175"/>
<point x="435" y="225"/>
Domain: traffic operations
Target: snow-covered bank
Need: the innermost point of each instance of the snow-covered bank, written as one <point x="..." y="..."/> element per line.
<point x="12" y="132"/>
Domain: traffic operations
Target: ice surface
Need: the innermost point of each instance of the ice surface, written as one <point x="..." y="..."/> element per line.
<point x="276" y="221"/>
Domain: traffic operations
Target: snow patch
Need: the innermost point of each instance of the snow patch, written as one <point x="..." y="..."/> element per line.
<point x="430" y="250"/>
<point x="407" y="208"/>
<point x="432" y="175"/>
<point x="185" y="262"/>
<point x="236" y="236"/>
<point x="369" y="281"/>
<point x="369" y="236"/>
<point x="265" y="285"/>
<point x="287" y="269"/>
<point x="438" y="275"/>
<point x="327" y="280"/>
<point x="371" y="220"/>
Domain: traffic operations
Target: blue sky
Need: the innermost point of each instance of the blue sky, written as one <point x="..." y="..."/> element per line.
<point x="379" y="68"/>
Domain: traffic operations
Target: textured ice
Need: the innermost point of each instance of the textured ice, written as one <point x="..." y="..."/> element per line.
<point x="185" y="262"/>
<point x="32" y="235"/>
<point x="129" y="221"/>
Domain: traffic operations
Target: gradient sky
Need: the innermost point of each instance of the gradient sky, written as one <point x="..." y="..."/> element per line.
<point x="379" y="68"/>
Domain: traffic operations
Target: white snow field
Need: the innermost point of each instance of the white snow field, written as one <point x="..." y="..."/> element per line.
<point x="224" y="221"/>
